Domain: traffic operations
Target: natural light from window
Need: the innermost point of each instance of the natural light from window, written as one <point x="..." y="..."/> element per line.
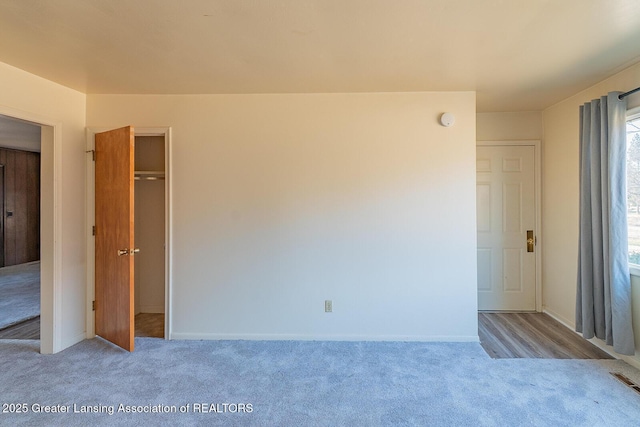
<point x="633" y="187"/>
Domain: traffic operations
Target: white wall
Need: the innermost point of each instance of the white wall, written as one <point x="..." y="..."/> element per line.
<point x="26" y="95"/>
<point x="526" y="125"/>
<point x="283" y="201"/>
<point x="561" y="196"/>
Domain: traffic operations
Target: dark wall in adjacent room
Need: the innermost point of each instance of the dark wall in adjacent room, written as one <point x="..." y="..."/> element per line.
<point x="20" y="206"/>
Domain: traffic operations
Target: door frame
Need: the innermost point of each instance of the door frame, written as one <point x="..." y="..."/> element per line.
<point x="2" y="215"/>
<point x="90" y="215"/>
<point x="50" y="227"/>
<point x="537" y="168"/>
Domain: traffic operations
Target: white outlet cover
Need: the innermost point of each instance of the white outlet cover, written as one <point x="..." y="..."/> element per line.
<point x="447" y="119"/>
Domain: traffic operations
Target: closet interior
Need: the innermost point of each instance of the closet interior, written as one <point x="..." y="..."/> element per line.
<point x="149" y="270"/>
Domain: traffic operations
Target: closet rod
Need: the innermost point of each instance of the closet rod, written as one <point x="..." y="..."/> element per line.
<point x="147" y="178"/>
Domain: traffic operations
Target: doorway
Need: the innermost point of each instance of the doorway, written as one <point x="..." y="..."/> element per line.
<point x="508" y="221"/>
<point x="51" y="286"/>
<point x="152" y="201"/>
<point x="149" y="272"/>
<point x="19" y="229"/>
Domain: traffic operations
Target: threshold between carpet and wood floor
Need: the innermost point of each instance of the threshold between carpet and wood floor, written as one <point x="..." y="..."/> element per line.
<point x="502" y="335"/>
<point x="150" y="325"/>
<point x="26" y="330"/>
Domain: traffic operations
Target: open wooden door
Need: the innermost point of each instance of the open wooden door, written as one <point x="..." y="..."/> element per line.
<point x="115" y="236"/>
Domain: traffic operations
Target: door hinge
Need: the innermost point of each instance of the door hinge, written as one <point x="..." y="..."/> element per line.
<point x="93" y="305"/>
<point x="93" y="154"/>
<point x="93" y="230"/>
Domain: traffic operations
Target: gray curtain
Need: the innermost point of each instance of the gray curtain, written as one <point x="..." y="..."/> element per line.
<point x="603" y="307"/>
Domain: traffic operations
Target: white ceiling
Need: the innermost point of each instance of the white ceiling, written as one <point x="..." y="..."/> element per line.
<point x="517" y="54"/>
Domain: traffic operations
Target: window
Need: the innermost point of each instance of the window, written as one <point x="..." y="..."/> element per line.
<point x="633" y="186"/>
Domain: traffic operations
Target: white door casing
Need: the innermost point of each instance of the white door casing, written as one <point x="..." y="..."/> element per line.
<point x="506" y="210"/>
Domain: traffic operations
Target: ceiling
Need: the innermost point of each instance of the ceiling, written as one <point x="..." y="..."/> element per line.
<point x="518" y="55"/>
<point x="18" y="134"/>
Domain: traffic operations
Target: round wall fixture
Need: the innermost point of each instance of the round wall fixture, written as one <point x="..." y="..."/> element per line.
<point x="447" y="119"/>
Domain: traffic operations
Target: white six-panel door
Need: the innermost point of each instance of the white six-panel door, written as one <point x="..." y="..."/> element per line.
<point x="505" y="192"/>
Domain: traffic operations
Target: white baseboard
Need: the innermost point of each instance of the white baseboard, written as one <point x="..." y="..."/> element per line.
<point x="631" y="360"/>
<point x="566" y="322"/>
<point x="296" y="337"/>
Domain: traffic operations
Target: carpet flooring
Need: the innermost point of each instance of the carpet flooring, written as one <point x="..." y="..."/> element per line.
<point x="306" y="383"/>
<point x="19" y="293"/>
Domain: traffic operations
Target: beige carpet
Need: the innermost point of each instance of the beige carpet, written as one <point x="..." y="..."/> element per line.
<point x="19" y="293"/>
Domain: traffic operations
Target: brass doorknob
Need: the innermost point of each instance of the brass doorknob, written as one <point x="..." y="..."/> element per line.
<point x="123" y="252"/>
<point x="134" y="251"/>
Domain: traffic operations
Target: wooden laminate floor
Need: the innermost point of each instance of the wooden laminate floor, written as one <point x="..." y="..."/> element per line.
<point x="26" y="330"/>
<point x="147" y="325"/>
<point x="532" y="335"/>
<point x="150" y="325"/>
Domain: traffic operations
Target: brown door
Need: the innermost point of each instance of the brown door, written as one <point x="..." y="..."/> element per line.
<point x="114" y="236"/>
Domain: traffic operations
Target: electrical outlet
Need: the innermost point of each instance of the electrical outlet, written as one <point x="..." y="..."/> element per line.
<point x="328" y="306"/>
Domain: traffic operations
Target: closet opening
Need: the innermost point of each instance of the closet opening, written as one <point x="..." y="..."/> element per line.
<point x="132" y="300"/>
<point x="150" y="236"/>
